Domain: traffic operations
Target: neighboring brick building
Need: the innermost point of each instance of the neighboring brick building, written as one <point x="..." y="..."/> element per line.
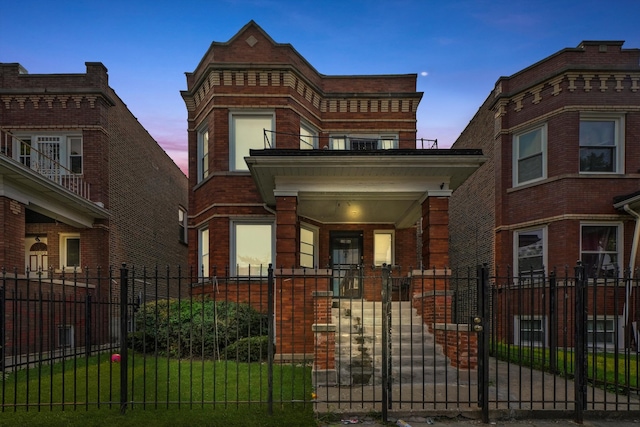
<point x="562" y="137"/>
<point x="82" y="184"/>
<point x="297" y="169"/>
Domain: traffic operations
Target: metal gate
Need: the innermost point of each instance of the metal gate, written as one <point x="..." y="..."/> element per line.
<point x="399" y="350"/>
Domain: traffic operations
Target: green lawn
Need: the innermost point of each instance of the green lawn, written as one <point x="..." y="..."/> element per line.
<point x="168" y="391"/>
<point x="613" y="371"/>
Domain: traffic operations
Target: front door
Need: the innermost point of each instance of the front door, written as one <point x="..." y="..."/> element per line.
<point x="36" y="255"/>
<point x="346" y="262"/>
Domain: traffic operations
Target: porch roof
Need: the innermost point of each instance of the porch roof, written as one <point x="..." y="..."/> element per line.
<point x="46" y="197"/>
<point x="375" y="187"/>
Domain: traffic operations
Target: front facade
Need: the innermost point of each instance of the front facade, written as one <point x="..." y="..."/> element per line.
<point x="315" y="175"/>
<point x="83" y="186"/>
<point x="301" y="170"/>
<point x="562" y="140"/>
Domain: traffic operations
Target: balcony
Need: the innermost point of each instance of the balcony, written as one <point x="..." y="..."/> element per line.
<point x="350" y="142"/>
<point x="45" y="162"/>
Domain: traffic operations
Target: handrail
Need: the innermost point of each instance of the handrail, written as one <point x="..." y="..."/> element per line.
<point x="55" y="171"/>
<point x="350" y="142"/>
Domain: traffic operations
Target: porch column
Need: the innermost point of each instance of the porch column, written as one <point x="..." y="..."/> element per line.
<point x="435" y="229"/>
<point x="286" y="229"/>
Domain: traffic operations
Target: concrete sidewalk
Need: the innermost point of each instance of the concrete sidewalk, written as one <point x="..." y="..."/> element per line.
<point x="462" y="422"/>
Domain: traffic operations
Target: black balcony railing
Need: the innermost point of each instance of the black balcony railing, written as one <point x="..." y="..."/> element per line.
<point x="345" y="142"/>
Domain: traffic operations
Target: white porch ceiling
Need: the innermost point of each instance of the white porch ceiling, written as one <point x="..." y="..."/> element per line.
<point x="45" y="196"/>
<point x="371" y="187"/>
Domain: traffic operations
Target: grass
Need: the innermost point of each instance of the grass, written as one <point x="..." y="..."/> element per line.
<point x="161" y="392"/>
<point x="614" y="371"/>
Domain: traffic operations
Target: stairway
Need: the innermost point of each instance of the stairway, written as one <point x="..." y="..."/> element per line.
<point x="415" y="356"/>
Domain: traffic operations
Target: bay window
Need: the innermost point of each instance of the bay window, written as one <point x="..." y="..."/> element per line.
<point x="247" y="132"/>
<point x="600" y="249"/>
<point x="203" y="154"/>
<point x="530" y="251"/>
<point x="252" y="247"/>
<point x="601" y="143"/>
<point x="529" y="150"/>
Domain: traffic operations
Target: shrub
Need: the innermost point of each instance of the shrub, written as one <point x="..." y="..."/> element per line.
<point x="250" y="349"/>
<point x="198" y="327"/>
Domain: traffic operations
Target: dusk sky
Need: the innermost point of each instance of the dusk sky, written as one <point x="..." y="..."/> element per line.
<point x="458" y="48"/>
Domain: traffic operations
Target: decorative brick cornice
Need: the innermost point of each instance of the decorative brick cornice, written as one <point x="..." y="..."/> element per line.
<point x="322" y="102"/>
<point x="19" y="101"/>
<point x="604" y="81"/>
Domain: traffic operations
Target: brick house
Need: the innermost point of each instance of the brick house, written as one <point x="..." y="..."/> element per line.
<point x="312" y="173"/>
<point x="561" y="140"/>
<point x="82" y="186"/>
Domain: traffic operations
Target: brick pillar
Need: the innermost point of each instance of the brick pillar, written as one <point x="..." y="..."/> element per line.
<point x="324" y="362"/>
<point x="12" y="233"/>
<point x="286" y="231"/>
<point x="435" y="230"/>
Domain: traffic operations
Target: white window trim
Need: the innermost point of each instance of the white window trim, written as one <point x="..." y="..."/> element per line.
<point x="313" y="133"/>
<point x="65" y="149"/>
<point x="619" y="240"/>
<point x="516" y="154"/>
<point x="619" y="331"/>
<point x="233" y="246"/>
<point x="316" y="240"/>
<point x="545" y="247"/>
<point x="517" y="330"/>
<point x="184" y="225"/>
<point x="63" y="237"/>
<point x="232" y="136"/>
<point x="203" y="267"/>
<point x="203" y="153"/>
<point x="393" y="245"/>
<point x="619" y="137"/>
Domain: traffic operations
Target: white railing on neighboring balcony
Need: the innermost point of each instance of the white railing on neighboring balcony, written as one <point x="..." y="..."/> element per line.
<point x="45" y="165"/>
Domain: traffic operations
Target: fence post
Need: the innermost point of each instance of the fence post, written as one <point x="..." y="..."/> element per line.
<point x="386" y="342"/>
<point x="124" y="277"/>
<point x="87" y="326"/>
<point x="483" y="341"/>
<point x="580" y="368"/>
<point x="3" y="324"/>
<point x="271" y="337"/>
<point x="553" y="324"/>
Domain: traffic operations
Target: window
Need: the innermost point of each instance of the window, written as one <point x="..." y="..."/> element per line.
<point x="203" y="252"/>
<point x="182" y="225"/>
<point x="248" y="132"/>
<point x="383" y="251"/>
<point x="601" y="145"/>
<point x="601" y="332"/>
<point x="69" y="251"/>
<point x="50" y="155"/>
<point x="529" y="152"/>
<point x="530" y="330"/>
<point x="364" y="142"/>
<point x="308" y="246"/>
<point x="530" y="251"/>
<point x="66" y="336"/>
<point x="308" y="137"/>
<point x="600" y="251"/>
<point x="203" y="154"/>
<point x="252" y="247"/>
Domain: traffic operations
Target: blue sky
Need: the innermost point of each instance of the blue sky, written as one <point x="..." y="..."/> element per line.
<point x="458" y="48"/>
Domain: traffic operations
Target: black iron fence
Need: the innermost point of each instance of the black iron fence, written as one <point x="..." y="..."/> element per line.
<point x="428" y="341"/>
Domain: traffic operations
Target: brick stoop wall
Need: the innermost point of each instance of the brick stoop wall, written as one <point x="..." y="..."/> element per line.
<point x="433" y="302"/>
